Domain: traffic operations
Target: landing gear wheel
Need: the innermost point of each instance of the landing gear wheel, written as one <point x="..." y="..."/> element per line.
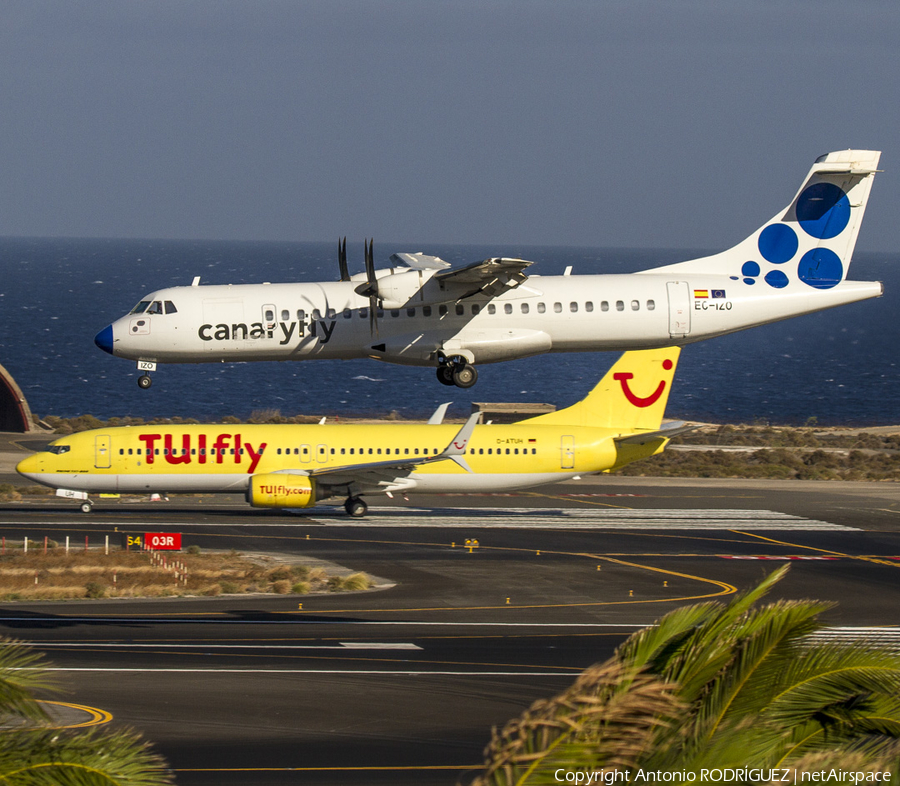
<point x="144" y="381"/>
<point x="86" y="507"/>
<point x="356" y="507"/>
<point x="445" y="375"/>
<point x="464" y="376"/>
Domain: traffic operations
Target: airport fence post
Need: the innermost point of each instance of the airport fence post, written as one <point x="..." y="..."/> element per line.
<point x="26" y="544"/>
<point x="67" y="545"/>
<point x="85" y="544"/>
<point x="4" y="544"/>
<point x="107" y="546"/>
<point x="45" y="545"/>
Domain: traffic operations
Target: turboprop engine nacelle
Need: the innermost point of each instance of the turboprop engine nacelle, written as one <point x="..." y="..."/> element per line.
<point x="409" y="288"/>
<point x="281" y="491"/>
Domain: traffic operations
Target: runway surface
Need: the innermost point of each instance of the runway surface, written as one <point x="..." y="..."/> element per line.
<point x="403" y="685"/>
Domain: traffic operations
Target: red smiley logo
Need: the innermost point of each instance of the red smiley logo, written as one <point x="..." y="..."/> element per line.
<point x="641" y="401"/>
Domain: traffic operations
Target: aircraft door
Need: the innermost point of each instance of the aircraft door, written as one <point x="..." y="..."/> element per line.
<point x="305" y="454"/>
<point x="102" y="452"/>
<point x="322" y="453"/>
<point x="679" y="308"/>
<point x="567" y="453"/>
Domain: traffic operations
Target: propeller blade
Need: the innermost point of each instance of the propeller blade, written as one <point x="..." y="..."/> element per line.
<point x="342" y="259"/>
<point x="373" y="287"/>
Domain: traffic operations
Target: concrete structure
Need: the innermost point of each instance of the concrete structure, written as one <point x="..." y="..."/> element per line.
<point x="15" y="414"/>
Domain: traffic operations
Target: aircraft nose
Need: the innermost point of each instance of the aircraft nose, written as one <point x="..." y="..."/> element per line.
<point x="29" y="467"/>
<point x="104" y="339"/>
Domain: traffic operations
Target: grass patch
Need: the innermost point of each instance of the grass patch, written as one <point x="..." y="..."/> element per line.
<point x="55" y="575"/>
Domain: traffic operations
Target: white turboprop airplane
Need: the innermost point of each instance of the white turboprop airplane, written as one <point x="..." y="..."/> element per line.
<point x="420" y="312"/>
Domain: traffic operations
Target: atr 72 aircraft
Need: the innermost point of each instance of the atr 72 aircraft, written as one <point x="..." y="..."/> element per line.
<point x="296" y="466"/>
<point x="420" y="312"/>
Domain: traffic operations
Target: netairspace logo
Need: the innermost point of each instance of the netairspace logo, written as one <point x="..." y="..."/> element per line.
<point x="720" y="775"/>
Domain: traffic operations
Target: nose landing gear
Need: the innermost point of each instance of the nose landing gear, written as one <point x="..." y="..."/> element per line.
<point x="144" y="381"/>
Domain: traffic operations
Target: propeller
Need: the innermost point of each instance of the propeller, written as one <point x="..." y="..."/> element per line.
<point x="369" y="289"/>
<point x="342" y="259"/>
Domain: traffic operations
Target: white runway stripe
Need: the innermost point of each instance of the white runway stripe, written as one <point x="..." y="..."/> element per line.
<point x="579" y="518"/>
<point x="527" y="518"/>
<point x="349" y="645"/>
<point x="889" y="638"/>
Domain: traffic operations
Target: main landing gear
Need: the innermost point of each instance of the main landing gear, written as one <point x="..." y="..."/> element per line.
<point x="457" y="371"/>
<point x="355" y="507"/>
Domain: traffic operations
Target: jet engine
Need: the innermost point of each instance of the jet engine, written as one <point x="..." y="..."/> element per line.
<point x="282" y="491"/>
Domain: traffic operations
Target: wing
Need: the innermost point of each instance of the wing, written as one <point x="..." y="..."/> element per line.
<point x="418" y="261"/>
<point x="489" y="277"/>
<point x="390" y="475"/>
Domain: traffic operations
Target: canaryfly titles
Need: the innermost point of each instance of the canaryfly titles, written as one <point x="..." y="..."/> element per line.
<point x="719" y="775"/>
<point x="240" y="331"/>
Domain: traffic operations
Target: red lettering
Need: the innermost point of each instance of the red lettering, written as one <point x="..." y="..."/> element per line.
<point x="237" y="448"/>
<point x="149" y="440"/>
<point x="201" y="448"/>
<point x="219" y="446"/>
<point x="254" y="456"/>
<point x="185" y="458"/>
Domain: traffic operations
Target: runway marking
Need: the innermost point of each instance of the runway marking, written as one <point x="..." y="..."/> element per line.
<point x="98" y="717"/>
<point x="345" y="646"/>
<point x="368" y="672"/>
<point x="669" y="519"/>
<point x="399" y="768"/>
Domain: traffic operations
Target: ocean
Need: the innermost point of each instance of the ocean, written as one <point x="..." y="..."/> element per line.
<point x="838" y="367"/>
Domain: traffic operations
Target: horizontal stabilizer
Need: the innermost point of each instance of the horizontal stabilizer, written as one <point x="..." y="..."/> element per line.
<point x="667" y="431"/>
<point x="418" y="261"/>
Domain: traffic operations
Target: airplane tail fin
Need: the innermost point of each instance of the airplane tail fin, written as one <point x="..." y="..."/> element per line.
<point x="810" y="242"/>
<point x="632" y="395"/>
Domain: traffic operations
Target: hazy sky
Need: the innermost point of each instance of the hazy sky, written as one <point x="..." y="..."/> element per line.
<point x="663" y="123"/>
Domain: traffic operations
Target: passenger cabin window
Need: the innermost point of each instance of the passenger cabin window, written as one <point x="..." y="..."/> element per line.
<point x="620" y="305"/>
<point x="524" y="308"/>
<point x="635" y="305"/>
<point x="604" y="306"/>
<point x="347" y="313"/>
<point x="460" y="309"/>
<point x="301" y="315"/>
<point x="170" y="307"/>
<point x="573" y="307"/>
<point x="541" y="308"/>
<point x="395" y="312"/>
<point x="426" y="311"/>
<point x="331" y="313"/>
<point x="492" y="309"/>
<point x="410" y="312"/>
<point x="316" y="314"/>
<point x="475" y="309"/>
<point x="442" y="311"/>
<point x="285" y="315"/>
<point x="141" y="307"/>
<point x="269" y="315"/>
<point x="651" y="304"/>
<point x="589" y="306"/>
<point x="557" y="307"/>
<point x="507" y="308"/>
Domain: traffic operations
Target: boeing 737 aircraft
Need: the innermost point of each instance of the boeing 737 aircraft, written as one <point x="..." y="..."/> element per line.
<point x="419" y="312"/>
<point x="296" y="466"/>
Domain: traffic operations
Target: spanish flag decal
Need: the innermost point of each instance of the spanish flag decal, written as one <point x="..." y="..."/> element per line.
<point x="698" y="293"/>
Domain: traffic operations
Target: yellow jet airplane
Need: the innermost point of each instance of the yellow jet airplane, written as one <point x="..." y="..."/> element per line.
<point x="296" y="466"/>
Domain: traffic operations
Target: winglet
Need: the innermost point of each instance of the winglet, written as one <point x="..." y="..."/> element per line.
<point x="438" y="417"/>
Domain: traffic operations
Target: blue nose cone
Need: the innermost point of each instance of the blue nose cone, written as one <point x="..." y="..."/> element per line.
<point x="104" y="339"/>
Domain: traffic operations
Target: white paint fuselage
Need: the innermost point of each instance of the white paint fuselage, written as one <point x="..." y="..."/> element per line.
<point x="305" y="321"/>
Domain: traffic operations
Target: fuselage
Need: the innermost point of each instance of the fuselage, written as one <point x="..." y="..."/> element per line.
<point x="223" y="458"/>
<point x="305" y="321"/>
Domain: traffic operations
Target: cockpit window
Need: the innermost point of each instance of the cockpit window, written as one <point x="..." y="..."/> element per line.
<point x="141" y="307"/>
<point x="58" y="449"/>
<point x="155" y="307"/>
<point x="170" y="307"/>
